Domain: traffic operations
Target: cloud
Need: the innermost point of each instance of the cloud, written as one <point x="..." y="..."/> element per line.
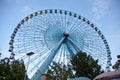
<point x="100" y="8"/>
<point x="27" y="10"/>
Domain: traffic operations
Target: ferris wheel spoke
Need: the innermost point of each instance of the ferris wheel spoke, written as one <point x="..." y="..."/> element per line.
<point x="57" y="57"/>
<point x="50" y="57"/>
<point x="54" y="16"/>
<point x="92" y="51"/>
<point x="69" y="49"/>
<point x="81" y="25"/>
<point x="67" y="57"/>
<point x="39" y="62"/>
<point x="75" y="45"/>
<point x="93" y="42"/>
<point x="28" y="47"/>
<point x="50" y="20"/>
<point x="21" y="56"/>
<point x="76" y="26"/>
<point x="64" y="20"/>
<point x="36" y="39"/>
<point x="61" y="17"/>
<point x="19" y="50"/>
<point x="57" y="18"/>
<point x="95" y="54"/>
<point x="62" y="56"/>
<point x="89" y="45"/>
<point x="59" y="54"/>
<point x="40" y="19"/>
<point x="42" y="57"/>
<point x="34" y="68"/>
<point x="73" y="25"/>
<point x="64" y="51"/>
<point x="102" y="50"/>
<point x="37" y="56"/>
<point x="40" y="25"/>
<point x="69" y="21"/>
<point x="26" y="44"/>
<point x="33" y="31"/>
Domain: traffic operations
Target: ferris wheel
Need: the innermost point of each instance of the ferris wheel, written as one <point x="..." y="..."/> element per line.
<point x="56" y="35"/>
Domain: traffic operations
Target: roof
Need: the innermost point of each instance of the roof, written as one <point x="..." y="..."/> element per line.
<point x="80" y="78"/>
<point x="109" y="75"/>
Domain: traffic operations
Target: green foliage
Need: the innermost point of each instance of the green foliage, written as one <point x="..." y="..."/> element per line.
<point x="116" y="66"/>
<point x="85" y="65"/>
<point x="59" y="72"/>
<point x="4" y="72"/>
<point x="82" y="65"/>
<point x="18" y="70"/>
<point x="12" y="71"/>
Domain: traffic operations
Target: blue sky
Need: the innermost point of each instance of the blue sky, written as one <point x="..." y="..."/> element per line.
<point x="103" y="13"/>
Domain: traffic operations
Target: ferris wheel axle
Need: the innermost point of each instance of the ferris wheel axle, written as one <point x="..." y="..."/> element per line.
<point x="66" y="34"/>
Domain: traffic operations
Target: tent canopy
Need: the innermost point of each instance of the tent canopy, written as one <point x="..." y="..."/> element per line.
<point x="80" y="78"/>
<point x="109" y="75"/>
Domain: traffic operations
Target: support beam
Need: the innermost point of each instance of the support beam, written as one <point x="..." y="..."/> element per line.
<point x="45" y="65"/>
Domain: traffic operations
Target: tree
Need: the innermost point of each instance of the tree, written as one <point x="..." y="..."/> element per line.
<point x="59" y="71"/>
<point x="4" y="72"/>
<point x="116" y="66"/>
<point x="82" y="65"/>
<point x="85" y="65"/>
<point x="12" y="70"/>
<point x="18" y="70"/>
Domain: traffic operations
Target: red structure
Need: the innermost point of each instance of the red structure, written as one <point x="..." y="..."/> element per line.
<point x="44" y="77"/>
<point x="113" y="75"/>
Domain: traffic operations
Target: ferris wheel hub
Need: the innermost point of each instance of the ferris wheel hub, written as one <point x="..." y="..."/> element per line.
<point x="66" y="34"/>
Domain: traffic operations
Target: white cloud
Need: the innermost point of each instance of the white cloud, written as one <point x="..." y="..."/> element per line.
<point x="27" y="10"/>
<point x="100" y="8"/>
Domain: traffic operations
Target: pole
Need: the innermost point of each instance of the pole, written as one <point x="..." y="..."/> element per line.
<point x="28" y="54"/>
<point x="27" y="69"/>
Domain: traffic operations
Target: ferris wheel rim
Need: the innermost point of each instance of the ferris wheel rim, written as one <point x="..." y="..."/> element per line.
<point x="65" y="34"/>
